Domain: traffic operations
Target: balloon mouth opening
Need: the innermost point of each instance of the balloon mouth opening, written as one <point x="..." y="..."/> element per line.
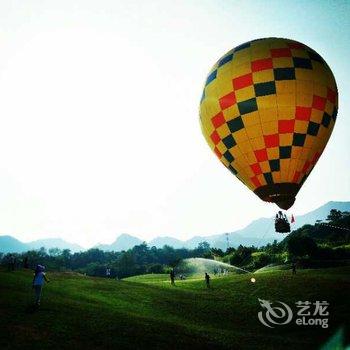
<point x="286" y="203"/>
<point x="282" y="194"/>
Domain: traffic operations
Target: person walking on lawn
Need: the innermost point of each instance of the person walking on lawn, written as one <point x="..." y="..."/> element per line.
<point x="38" y="282"/>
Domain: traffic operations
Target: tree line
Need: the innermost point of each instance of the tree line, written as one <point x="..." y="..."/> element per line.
<point x="326" y="243"/>
<point x="322" y="244"/>
<point x="140" y="259"/>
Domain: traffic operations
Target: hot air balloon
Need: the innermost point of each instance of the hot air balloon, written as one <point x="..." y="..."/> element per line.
<point x="267" y="111"/>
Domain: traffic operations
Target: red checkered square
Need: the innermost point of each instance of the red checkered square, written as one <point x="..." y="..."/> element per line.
<point x="319" y="103"/>
<point x="286" y="126"/>
<point x="256" y="168"/>
<point x="228" y="100"/>
<point x="218" y="120"/>
<point x="284" y="52"/>
<point x="263" y="64"/>
<point x="331" y="95"/>
<point x="303" y="113"/>
<point x="255" y="181"/>
<point x="272" y="140"/>
<point x="217" y="152"/>
<point x="261" y="155"/>
<point x="215" y="137"/>
<point x="242" y="81"/>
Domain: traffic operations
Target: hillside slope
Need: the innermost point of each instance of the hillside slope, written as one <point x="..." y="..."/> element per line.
<point x="10" y="244"/>
<point x="259" y="232"/>
<point x="262" y="231"/>
<point x="79" y="312"/>
<point x="123" y="242"/>
<point x="54" y="243"/>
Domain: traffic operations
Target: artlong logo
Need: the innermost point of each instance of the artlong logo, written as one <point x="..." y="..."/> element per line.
<point x="274" y="315"/>
<point x="279" y="313"/>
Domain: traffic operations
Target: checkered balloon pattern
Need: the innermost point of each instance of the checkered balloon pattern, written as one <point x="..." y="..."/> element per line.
<point x="267" y="111"/>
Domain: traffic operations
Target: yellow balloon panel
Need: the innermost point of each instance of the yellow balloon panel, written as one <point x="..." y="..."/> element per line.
<point x="267" y="111"/>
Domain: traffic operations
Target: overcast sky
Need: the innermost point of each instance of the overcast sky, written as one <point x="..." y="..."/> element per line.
<point x="99" y="131"/>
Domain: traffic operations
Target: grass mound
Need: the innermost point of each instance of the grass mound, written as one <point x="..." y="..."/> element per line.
<point x="273" y="267"/>
<point x="141" y="312"/>
<point x="198" y="266"/>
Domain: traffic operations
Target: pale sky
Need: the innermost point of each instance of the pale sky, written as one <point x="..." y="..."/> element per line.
<point x="99" y="130"/>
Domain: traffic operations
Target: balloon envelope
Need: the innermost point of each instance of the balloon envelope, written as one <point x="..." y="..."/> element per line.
<point x="267" y="111"/>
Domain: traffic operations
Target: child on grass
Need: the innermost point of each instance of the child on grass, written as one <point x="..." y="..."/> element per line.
<point x="38" y="282"/>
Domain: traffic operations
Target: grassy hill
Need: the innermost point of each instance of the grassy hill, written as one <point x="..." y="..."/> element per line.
<point x="80" y="312"/>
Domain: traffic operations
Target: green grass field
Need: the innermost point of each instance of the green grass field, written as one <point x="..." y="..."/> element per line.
<point x="80" y="312"/>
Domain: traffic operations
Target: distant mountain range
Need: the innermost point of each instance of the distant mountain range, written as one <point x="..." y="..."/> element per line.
<point x="54" y="243"/>
<point x="9" y="244"/>
<point x="123" y="242"/>
<point x="262" y="231"/>
<point x="258" y="232"/>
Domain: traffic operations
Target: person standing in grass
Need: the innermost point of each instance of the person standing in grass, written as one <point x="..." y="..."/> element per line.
<point x="207" y="280"/>
<point x="25" y="263"/>
<point x="172" y="277"/>
<point x="38" y="282"/>
<point x="11" y="262"/>
<point x="294" y="268"/>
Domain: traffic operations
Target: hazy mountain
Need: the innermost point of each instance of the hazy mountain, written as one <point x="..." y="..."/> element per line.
<point x="258" y="232"/>
<point x="321" y="213"/>
<point x="194" y="241"/>
<point x="54" y="243"/>
<point x="262" y="231"/>
<point x="123" y="242"/>
<point x="159" y="242"/>
<point x="9" y="244"/>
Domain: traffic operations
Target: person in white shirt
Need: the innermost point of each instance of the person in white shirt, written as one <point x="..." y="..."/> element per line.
<point x="38" y="282"/>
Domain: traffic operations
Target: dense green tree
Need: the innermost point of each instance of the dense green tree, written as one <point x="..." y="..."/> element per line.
<point x="55" y="251"/>
<point x="334" y="215"/>
<point x="217" y="252"/>
<point x="301" y="245"/>
<point x="203" y="246"/>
